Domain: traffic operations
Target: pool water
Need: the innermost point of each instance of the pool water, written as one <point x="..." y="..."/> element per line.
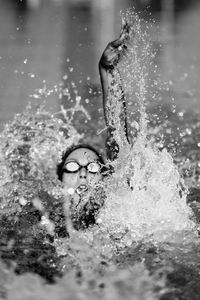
<point x="145" y="244"/>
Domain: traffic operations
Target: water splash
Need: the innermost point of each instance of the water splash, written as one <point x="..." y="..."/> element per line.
<point x="31" y="147"/>
<point x="145" y="196"/>
<point x="144" y="201"/>
<point x="135" y="69"/>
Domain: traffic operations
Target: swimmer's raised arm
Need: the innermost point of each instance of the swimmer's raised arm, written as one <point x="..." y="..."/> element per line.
<point x="113" y="95"/>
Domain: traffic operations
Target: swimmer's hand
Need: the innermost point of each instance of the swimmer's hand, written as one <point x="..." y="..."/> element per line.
<point x="116" y="50"/>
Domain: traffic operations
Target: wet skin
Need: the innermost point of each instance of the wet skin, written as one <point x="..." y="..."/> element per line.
<point x="82" y="177"/>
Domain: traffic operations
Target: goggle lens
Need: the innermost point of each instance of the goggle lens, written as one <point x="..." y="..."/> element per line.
<point x="73" y="167"/>
<point x="93" y="167"/>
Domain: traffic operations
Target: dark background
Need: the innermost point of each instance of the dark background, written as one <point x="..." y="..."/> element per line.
<point x="42" y="40"/>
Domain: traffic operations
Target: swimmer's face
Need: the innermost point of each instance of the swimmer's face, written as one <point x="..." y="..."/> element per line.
<point x="81" y="168"/>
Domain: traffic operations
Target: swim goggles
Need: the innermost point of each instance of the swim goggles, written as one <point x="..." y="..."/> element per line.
<point x="73" y="167"/>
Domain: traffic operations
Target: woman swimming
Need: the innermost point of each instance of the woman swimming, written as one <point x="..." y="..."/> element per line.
<point x="82" y="166"/>
<point x="82" y="162"/>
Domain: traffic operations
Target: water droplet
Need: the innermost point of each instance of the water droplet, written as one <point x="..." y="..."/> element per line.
<point x="23" y="201"/>
<point x="36" y="96"/>
<point x="180" y="114"/>
<point x="31" y="75"/>
<point x="65" y="77"/>
<point x="70" y="191"/>
<point x="188" y="131"/>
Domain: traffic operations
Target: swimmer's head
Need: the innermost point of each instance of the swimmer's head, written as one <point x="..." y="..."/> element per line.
<point x="81" y="165"/>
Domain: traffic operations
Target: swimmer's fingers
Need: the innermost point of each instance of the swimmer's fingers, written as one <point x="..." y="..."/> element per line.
<point x="126" y="49"/>
<point x="117" y="49"/>
<point x="112" y="54"/>
<point x="125" y="32"/>
<point x="124" y="35"/>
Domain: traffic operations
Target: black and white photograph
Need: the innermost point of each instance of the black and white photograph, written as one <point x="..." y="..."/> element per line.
<point x="99" y="150"/>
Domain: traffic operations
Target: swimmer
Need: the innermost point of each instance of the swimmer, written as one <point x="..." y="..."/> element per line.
<point x="82" y="165"/>
<point x="112" y="89"/>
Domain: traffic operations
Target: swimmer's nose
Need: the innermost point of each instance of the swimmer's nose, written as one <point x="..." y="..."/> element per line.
<point x="83" y="173"/>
